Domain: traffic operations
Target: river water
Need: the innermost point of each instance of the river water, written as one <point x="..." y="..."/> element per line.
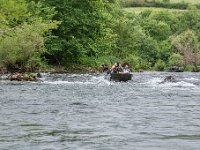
<point x="87" y="112"/>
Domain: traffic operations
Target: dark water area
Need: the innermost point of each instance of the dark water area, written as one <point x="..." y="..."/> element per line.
<point x="87" y="112"/>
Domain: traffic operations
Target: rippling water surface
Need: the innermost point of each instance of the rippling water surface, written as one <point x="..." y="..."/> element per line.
<point x="87" y="112"/>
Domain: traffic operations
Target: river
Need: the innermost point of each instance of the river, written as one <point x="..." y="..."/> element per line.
<point x="87" y="112"/>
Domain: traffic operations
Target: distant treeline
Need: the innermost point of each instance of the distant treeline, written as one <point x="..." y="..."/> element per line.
<point x="160" y="4"/>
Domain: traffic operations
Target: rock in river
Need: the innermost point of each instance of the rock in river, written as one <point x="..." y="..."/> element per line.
<point x="23" y="77"/>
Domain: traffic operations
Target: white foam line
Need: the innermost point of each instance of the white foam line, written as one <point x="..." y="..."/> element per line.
<point x="66" y="82"/>
<point x="92" y="81"/>
<point x="191" y="79"/>
<point x="156" y="82"/>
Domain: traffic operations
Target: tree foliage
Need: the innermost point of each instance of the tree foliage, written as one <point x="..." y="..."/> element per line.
<point x="91" y="32"/>
<point x="22" y="35"/>
<point x="187" y="45"/>
<point x="85" y="31"/>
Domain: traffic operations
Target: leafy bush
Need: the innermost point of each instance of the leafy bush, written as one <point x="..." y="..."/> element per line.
<point x="23" y="33"/>
<point x="166" y="1"/>
<point x="96" y="62"/>
<point x="189" y="68"/>
<point x="164" y="50"/>
<point x="176" y="60"/>
<point x="187" y="44"/>
<point x="157" y="29"/>
<point x="160" y="65"/>
<point x="137" y="63"/>
<point x="20" y="51"/>
<point x="13" y="11"/>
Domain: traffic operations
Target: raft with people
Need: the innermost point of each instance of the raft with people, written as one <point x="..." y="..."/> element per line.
<point x="118" y="73"/>
<point x="120" y="76"/>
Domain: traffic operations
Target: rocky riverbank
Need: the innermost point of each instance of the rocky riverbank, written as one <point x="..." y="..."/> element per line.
<point x="20" y="76"/>
<point x="24" y="76"/>
<point x="27" y="76"/>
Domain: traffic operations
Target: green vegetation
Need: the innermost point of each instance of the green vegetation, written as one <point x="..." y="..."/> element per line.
<point x="185" y="1"/>
<point x="23" y="30"/>
<point x="141" y="9"/>
<point x="88" y="33"/>
<point x="170" y="4"/>
<point x="166" y="1"/>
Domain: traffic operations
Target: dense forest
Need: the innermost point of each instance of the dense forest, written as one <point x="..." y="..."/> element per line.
<point x="39" y="34"/>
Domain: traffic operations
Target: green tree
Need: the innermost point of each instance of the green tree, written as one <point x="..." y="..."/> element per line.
<point x="187" y="45"/>
<point x="157" y="29"/>
<point x="86" y="29"/>
<point x="164" y="50"/>
<point x="176" y="60"/>
<point x="167" y="17"/>
<point x="134" y="41"/>
<point x="13" y="12"/>
<point x="23" y="34"/>
<point x="160" y="65"/>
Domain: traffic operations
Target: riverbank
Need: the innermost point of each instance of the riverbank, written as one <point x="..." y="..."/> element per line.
<point x="33" y="76"/>
<point x="72" y="69"/>
<point x="60" y="69"/>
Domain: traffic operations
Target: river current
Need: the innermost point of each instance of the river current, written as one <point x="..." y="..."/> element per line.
<point x="87" y="112"/>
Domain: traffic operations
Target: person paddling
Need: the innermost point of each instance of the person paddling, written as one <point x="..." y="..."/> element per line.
<point x="116" y="68"/>
<point x="126" y="69"/>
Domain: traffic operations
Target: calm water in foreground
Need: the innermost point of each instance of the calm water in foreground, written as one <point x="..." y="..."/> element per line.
<point x="86" y="112"/>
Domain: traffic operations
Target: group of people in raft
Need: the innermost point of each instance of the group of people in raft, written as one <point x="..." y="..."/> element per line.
<point x="117" y="68"/>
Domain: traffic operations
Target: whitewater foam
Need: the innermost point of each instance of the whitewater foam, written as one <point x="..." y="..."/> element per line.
<point x="91" y="81"/>
<point x="158" y="83"/>
<point x="191" y="79"/>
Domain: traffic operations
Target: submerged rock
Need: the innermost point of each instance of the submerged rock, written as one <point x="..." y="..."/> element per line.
<point x="176" y="69"/>
<point x="23" y="77"/>
<point x="169" y="79"/>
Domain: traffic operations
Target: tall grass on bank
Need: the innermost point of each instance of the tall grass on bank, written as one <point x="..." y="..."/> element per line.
<point x="161" y="4"/>
<point x="170" y="1"/>
<point x="140" y="9"/>
<point x="186" y="1"/>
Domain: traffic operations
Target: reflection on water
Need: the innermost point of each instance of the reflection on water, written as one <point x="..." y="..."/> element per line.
<point x="87" y="112"/>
